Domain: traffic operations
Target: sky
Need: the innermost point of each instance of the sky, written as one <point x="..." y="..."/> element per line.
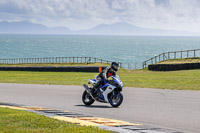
<point x="180" y="15"/>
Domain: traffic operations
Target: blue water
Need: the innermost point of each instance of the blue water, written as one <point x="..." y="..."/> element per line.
<point x="125" y="49"/>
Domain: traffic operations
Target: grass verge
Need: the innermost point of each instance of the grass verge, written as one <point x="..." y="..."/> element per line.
<point x="12" y="121"/>
<point x="181" y="61"/>
<point x="180" y="80"/>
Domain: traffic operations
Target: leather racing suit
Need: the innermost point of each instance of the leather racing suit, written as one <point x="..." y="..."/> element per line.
<point x="104" y="75"/>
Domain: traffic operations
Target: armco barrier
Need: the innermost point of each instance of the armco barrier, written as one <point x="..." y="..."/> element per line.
<point x="173" y="67"/>
<point x="56" y="69"/>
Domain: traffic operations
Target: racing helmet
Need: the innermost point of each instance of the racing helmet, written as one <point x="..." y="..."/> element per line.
<point x="115" y="66"/>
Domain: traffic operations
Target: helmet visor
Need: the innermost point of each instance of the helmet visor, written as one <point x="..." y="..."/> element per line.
<point x="116" y="68"/>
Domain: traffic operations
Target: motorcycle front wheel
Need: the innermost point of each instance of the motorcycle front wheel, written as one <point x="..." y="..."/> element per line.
<point x="116" y="100"/>
<point x="87" y="99"/>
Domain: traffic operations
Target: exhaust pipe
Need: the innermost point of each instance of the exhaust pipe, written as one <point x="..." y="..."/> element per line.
<point x="88" y="90"/>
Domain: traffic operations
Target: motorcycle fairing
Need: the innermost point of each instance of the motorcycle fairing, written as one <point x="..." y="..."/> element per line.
<point x="92" y="81"/>
<point x="108" y="90"/>
<point x="105" y="89"/>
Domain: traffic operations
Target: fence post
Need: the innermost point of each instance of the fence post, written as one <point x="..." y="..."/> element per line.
<point x="159" y="58"/>
<point x="168" y="55"/>
<point x="181" y="55"/>
<point x="187" y="54"/>
<point x="174" y="55"/>
<point x="163" y="57"/>
<point x="194" y="54"/>
<point x="65" y="59"/>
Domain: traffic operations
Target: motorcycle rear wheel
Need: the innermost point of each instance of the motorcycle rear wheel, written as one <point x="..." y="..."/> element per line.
<point x="116" y="100"/>
<point x="87" y="99"/>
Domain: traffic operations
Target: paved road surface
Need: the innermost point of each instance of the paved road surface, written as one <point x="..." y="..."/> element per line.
<point x="172" y="109"/>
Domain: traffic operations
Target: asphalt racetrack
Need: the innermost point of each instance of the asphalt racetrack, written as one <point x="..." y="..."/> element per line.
<point x="171" y="109"/>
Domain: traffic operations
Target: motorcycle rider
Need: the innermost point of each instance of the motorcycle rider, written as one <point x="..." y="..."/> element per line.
<point x="106" y="73"/>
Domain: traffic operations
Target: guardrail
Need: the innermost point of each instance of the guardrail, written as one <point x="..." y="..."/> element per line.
<point x="53" y="60"/>
<point x="172" y="55"/>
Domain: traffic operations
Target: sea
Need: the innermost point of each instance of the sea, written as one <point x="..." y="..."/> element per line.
<point x="131" y="51"/>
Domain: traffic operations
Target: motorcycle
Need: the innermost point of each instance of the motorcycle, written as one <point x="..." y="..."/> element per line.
<point x="109" y="92"/>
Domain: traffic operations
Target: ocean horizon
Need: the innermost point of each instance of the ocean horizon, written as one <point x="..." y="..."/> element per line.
<point x="133" y="50"/>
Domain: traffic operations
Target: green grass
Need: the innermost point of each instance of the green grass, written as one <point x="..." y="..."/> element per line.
<point x="181" y="61"/>
<point x="53" y="78"/>
<point x="180" y="80"/>
<point x="12" y="121"/>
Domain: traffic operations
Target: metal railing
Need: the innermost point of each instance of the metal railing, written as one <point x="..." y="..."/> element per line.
<point x="172" y="55"/>
<point x="132" y="66"/>
<point x="53" y="60"/>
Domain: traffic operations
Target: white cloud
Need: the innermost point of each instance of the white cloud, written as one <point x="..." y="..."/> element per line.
<point x="80" y="14"/>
